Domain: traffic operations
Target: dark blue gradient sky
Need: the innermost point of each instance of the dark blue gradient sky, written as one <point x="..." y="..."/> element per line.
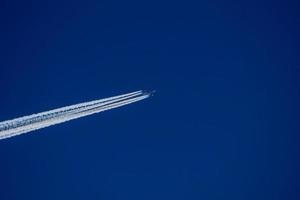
<point x="224" y="123"/>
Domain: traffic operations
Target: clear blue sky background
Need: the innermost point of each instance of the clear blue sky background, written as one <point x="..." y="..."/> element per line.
<point x="224" y="123"/>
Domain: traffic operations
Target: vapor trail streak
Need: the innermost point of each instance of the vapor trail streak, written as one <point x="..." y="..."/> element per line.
<point x="69" y="108"/>
<point x="33" y="122"/>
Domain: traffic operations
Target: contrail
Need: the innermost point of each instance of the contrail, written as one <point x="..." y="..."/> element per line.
<point x="34" y="122"/>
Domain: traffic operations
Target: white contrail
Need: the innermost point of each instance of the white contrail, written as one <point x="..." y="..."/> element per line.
<point x="69" y="108"/>
<point x="33" y="122"/>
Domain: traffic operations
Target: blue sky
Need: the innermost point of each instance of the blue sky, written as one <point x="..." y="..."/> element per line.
<point x="223" y="123"/>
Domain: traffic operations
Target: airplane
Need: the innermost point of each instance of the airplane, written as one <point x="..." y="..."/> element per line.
<point x="150" y="93"/>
